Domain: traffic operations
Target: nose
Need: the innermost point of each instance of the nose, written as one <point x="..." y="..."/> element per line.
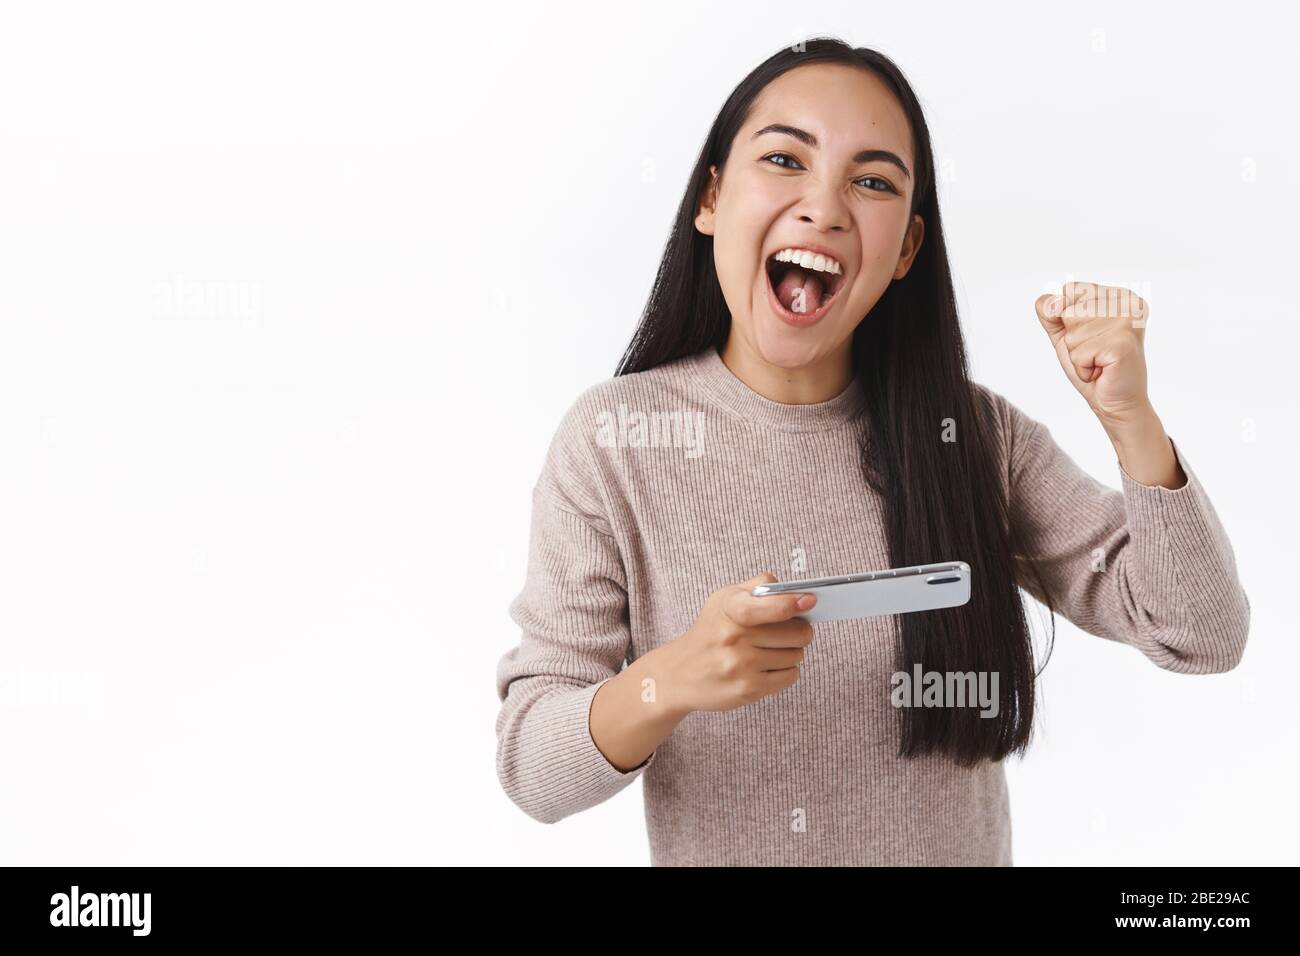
<point x="823" y="206"/>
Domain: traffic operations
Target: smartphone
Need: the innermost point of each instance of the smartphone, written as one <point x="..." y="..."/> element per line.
<point x="874" y="593"/>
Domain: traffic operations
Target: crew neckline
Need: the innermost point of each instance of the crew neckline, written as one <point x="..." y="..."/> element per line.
<point x="729" y="391"/>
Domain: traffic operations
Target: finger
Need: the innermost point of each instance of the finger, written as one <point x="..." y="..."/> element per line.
<point x="1077" y="292"/>
<point x="1086" y="329"/>
<point x="1048" y="307"/>
<point x="795" y="632"/>
<point x="1104" y="350"/>
<point x="1081" y="324"/>
<point x="1117" y="302"/>
<point x="771" y="682"/>
<point x="777" y="658"/>
<point x="1077" y="376"/>
<point x="747" y="610"/>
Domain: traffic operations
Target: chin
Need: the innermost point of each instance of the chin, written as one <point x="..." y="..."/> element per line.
<point x="780" y="346"/>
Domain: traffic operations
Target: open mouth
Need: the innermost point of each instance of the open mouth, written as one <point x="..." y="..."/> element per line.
<point x="802" y="284"/>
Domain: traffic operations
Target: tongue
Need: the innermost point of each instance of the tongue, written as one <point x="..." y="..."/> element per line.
<point x="800" y="291"/>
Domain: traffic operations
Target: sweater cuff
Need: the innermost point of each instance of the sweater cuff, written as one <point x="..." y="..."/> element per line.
<point x="591" y="778"/>
<point x="1182" y="547"/>
<point x="1182" y="514"/>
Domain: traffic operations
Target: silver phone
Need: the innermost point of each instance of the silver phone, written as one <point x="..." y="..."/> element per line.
<point x="873" y="593"/>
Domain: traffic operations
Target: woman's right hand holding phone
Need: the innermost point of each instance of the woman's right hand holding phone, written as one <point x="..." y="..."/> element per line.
<point x="740" y="649"/>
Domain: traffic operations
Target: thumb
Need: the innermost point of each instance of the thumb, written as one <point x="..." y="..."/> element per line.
<point x="764" y="578"/>
<point x="1049" y="308"/>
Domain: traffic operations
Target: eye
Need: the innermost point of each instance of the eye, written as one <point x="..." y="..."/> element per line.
<point x="771" y="156"/>
<point x="888" y="187"/>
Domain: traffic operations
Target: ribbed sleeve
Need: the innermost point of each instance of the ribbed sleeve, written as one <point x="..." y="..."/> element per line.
<point x="1148" y="566"/>
<point x="572" y="613"/>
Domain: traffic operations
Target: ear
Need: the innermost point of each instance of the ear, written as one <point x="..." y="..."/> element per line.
<point x="911" y="245"/>
<point x="708" y="204"/>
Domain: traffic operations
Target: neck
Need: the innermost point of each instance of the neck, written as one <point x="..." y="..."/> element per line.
<point x="818" y="381"/>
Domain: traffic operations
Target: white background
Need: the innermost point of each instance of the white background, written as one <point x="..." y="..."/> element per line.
<point x="288" y="321"/>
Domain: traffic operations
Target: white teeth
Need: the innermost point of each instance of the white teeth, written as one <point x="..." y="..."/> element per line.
<point x="809" y="260"/>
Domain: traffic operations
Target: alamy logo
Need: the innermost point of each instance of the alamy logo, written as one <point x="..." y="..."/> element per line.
<point x="946" y="689"/>
<point x="629" y="428"/>
<point x="101" y="909"/>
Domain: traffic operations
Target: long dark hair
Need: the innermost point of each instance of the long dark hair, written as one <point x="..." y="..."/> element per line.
<point x="945" y="498"/>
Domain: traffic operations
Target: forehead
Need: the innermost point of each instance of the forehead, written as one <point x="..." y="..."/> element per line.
<point x="845" y="107"/>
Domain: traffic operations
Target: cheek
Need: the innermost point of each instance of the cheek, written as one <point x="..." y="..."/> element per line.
<point x="746" y="215"/>
<point x="882" y="242"/>
<point x="731" y="257"/>
<point x="738" y="244"/>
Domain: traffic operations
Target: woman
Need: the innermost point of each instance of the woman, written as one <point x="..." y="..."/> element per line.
<point x="797" y="397"/>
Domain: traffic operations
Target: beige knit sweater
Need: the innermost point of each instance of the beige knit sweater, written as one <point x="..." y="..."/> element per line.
<point x="637" y="519"/>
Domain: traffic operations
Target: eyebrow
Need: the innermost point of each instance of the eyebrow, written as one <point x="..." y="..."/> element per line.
<point x="808" y="139"/>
